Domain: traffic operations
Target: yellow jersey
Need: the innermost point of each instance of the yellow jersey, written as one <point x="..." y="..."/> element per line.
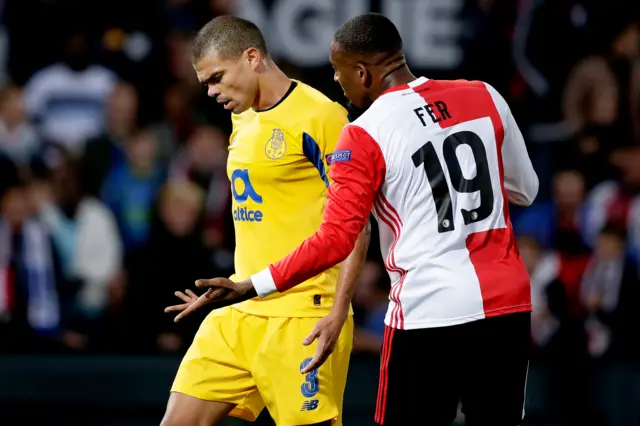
<point x="279" y="176"/>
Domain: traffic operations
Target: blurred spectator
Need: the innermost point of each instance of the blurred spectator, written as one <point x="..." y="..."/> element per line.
<point x="184" y="15"/>
<point x="9" y="173"/>
<point x="557" y="315"/>
<point x="610" y="292"/>
<point x="172" y="259"/>
<point x="371" y="300"/>
<point x="106" y="152"/>
<point x="602" y="96"/>
<point x="222" y="7"/>
<point x="173" y="130"/>
<point x="29" y="307"/>
<point x="190" y="15"/>
<point x="558" y="223"/>
<point x="487" y="33"/>
<point x="548" y="39"/>
<point x="18" y="138"/>
<point x="89" y="250"/>
<point x="131" y="188"/>
<point x="541" y="269"/>
<point x="67" y="99"/>
<point x="204" y="162"/>
<point x="557" y="330"/>
<point x="178" y="44"/>
<point x="617" y="202"/>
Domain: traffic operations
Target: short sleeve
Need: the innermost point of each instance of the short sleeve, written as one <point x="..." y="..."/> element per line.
<point x="334" y="119"/>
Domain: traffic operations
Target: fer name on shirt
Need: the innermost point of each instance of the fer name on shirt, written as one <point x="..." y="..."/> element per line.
<point x="437" y="111"/>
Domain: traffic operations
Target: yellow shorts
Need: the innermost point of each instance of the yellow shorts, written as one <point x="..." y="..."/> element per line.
<point x="253" y="361"/>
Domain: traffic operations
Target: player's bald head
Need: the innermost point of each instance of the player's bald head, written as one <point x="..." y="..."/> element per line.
<point x="369" y="35"/>
<point x="228" y="36"/>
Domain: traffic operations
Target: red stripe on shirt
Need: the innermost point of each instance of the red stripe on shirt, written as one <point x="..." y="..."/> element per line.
<point x="504" y="281"/>
<point x="388" y="263"/>
<point x="396" y="217"/>
<point x="387" y="260"/>
<point x="383" y="382"/>
<point x="397" y="314"/>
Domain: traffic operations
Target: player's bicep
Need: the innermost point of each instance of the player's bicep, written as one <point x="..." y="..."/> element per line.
<point x="358" y="170"/>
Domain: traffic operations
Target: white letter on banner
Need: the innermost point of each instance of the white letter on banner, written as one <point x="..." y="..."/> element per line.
<point x="305" y="29"/>
<point x="430" y="30"/>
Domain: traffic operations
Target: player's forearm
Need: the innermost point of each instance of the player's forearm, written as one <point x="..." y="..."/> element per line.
<point x="329" y="246"/>
<point x="350" y="272"/>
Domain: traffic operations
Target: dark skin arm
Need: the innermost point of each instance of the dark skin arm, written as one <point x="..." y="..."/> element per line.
<point x="223" y="292"/>
<point x="328" y="329"/>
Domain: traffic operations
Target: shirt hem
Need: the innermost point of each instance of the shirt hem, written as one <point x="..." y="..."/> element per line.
<point x="462" y="320"/>
<point x="321" y="313"/>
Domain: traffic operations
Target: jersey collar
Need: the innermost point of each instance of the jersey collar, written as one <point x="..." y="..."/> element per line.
<point x="417" y="82"/>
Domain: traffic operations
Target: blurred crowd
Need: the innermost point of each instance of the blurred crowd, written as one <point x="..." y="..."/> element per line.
<point x="108" y="204"/>
<point x="114" y="194"/>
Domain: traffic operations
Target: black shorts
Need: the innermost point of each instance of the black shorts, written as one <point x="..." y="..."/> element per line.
<point x="483" y="364"/>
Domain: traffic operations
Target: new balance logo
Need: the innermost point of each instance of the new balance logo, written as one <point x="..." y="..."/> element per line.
<point x="309" y="405"/>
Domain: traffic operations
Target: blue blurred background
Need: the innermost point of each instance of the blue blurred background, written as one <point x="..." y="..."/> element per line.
<point x="113" y="192"/>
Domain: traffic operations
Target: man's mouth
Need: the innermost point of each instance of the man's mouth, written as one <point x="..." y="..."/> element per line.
<point x="225" y="103"/>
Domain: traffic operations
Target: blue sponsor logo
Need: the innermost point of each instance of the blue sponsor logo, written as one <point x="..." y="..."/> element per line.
<point x="243" y="191"/>
<point x="344" y="155"/>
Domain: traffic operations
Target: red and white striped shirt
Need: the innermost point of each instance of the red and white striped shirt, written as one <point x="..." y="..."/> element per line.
<point x="436" y="162"/>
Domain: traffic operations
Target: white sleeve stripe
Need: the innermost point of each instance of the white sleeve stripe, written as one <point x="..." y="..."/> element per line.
<point x="263" y="283"/>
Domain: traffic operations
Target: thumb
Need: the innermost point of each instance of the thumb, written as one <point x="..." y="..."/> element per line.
<point x="312" y="336"/>
<point x="213" y="282"/>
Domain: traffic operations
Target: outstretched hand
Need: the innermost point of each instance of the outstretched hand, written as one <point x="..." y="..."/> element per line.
<point x="220" y="292"/>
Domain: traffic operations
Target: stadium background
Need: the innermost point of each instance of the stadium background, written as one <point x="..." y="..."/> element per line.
<point x="112" y="180"/>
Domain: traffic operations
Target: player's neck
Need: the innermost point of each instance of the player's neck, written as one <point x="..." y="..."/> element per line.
<point x="272" y="87"/>
<point x="398" y="77"/>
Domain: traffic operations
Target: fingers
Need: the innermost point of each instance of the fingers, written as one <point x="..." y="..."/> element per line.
<point x="190" y="308"/>
<point x="186" y="312"/>
<point x="175" y="308"/>
<point x="189" y="297"/>
<point x="215" y="282"/>
<point x="183" y="296"/>
<point x="208" y="297"/>
<point x="321" y="355"/>
<point x="315" y="332"/>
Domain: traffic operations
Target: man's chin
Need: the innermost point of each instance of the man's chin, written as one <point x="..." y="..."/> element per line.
<point x="239" y="109"/>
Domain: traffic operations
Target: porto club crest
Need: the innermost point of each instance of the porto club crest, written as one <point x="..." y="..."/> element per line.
<point x="276" y="145"/>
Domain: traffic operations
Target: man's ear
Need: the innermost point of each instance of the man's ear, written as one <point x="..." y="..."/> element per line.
<point x="253" y="56"/>
<point x="364" y="75"/>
